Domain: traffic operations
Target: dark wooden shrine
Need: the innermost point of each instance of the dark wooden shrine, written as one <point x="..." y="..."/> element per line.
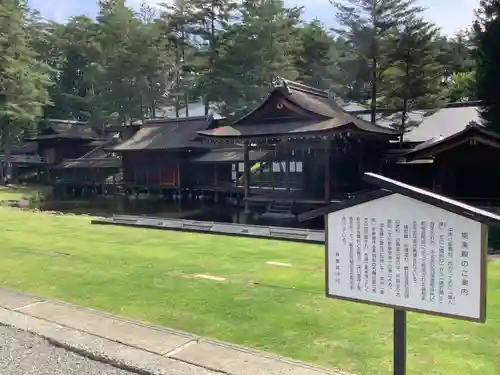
<point x="311" y="151"/>
<point x="62" y="139"/>
<point x="35" y="158"/>
<point x="156" y="156"/>
<point x="461" y="165"/>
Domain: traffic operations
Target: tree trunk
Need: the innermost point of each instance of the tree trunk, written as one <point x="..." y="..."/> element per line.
<point x="373" y="107"/>
<point x="403" y="120"/>
<point x="5" y="147"/>
<point x="405" y="100"/>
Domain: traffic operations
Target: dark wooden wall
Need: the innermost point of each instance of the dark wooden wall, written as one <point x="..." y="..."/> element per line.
<point x="207" y="174"/>
<point x="464" y="172"/>
<point x="152" y="169"/>
<point x="55" y="150"/>
<point x="469" y="171"/>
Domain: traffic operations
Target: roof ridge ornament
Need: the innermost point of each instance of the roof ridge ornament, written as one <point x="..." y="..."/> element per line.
<point x="281" y="83"/>
<point x="474" y="124"/>
<point x="297" y="86"/>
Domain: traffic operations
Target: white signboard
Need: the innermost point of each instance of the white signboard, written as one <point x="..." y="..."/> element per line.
<point x="400" y="252"/>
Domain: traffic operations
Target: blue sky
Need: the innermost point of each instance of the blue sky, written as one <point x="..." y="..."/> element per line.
<point x="449" y="18"/>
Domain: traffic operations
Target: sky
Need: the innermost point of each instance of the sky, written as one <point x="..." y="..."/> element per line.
<point x="450" y="18"/>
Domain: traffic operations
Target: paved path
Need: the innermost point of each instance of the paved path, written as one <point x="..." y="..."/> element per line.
<point x="134" y="346"/>
<point x="22" y="353"/>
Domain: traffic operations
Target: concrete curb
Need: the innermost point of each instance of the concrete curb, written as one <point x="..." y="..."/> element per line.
<point x="99" y="349"/>
<point x="63" y="325"/>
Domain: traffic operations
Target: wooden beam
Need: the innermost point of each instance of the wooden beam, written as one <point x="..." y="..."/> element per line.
<point x="327" y="170"/>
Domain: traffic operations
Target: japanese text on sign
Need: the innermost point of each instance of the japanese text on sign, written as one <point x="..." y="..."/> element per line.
<point x="398" y="251"/>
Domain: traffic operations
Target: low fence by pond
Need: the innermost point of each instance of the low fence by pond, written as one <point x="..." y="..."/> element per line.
<point x="257" y="231"/>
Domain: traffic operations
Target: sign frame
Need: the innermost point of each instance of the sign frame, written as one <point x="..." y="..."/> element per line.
<point x="483" y="284"/>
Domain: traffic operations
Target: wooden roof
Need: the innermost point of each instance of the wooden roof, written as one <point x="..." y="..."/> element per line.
<point x="168" y="134"/>
<point x="67" y="130"/>
<point x="473" y="131"/>
<point x="444" y="122"/>
<point x="97" y="158"/>
<point x="296" y="110"/>
<point x="25" y="148"/>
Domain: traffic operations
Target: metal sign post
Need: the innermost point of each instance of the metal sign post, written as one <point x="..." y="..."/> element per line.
<point x="399" y="339"/>
<point x="407" y="249"/>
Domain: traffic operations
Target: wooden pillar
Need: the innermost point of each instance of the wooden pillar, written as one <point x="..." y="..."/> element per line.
<point x="178" y="176"/>
<point x="287" y="174"/>
<point x="327" y="170"/>
<point x="246" y="174"/>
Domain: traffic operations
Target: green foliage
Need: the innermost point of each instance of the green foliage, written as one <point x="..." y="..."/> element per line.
<point x="256" y="50"/>
<point x="462" y="86"/>
<point x="487" y="31"/>
<point x="127" y="66"/>
<point x="24" y="79"/>
<point x="367" y="27"/>
<point x="316" y="56"/>
<point x="413" y="79"/>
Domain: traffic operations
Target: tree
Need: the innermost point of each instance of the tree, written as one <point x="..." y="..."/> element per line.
<point x="23" y="79"/>
<point x="462" y="86"/>
<point x="364" y="26"/>
<point x="413" y="80"/>
<point x="257" y="50"/>
<point x="315" y="57"/>
<point x="487" y="31"/>
<point x="154" y="63"/>
<point x="177" y="22"/>
<point x="70" y="50"/>
<point x="210" y="19"/>
<point x="456" y="54"/>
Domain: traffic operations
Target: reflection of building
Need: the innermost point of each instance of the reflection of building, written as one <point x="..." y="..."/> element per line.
<point x="296" y="150"/>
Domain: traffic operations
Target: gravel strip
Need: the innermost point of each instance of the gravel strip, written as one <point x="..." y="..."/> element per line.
<point x="22" y="353"/>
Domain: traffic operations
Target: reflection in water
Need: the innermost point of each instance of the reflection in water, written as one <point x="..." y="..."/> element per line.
<point x="194" y="210"/>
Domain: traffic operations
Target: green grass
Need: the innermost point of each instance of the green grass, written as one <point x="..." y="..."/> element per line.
<point x="147" y="275"/>
<point x="19" y="192"/>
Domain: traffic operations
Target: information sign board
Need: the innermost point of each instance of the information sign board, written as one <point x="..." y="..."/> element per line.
<point x="400" y="252"/>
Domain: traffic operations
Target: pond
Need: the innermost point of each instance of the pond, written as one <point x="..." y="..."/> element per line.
<point x="193" y="210"/>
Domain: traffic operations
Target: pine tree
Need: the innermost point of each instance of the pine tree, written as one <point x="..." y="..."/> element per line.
<point x="315" y="57"/>
<point x="258" y="49"/>
<point x="365" y="25"/>
<point x="487" y="28"/>
<point x="462" y="86"/>
<point x="177" y="20"/>
<point x="116" y="87"/>
<point x="68" y="50"/>
<point x="210" y="19"/>
<point x="413" y="80"/>
<point x="154" y="62"/>
<point x="23" y="78"/>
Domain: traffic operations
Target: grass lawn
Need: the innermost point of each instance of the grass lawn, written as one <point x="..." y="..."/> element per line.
<point x="19" y="192"/>
<point x="148" y="275"/>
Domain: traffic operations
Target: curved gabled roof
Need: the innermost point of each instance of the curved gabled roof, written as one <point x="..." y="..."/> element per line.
<point x="318" y="113"/>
